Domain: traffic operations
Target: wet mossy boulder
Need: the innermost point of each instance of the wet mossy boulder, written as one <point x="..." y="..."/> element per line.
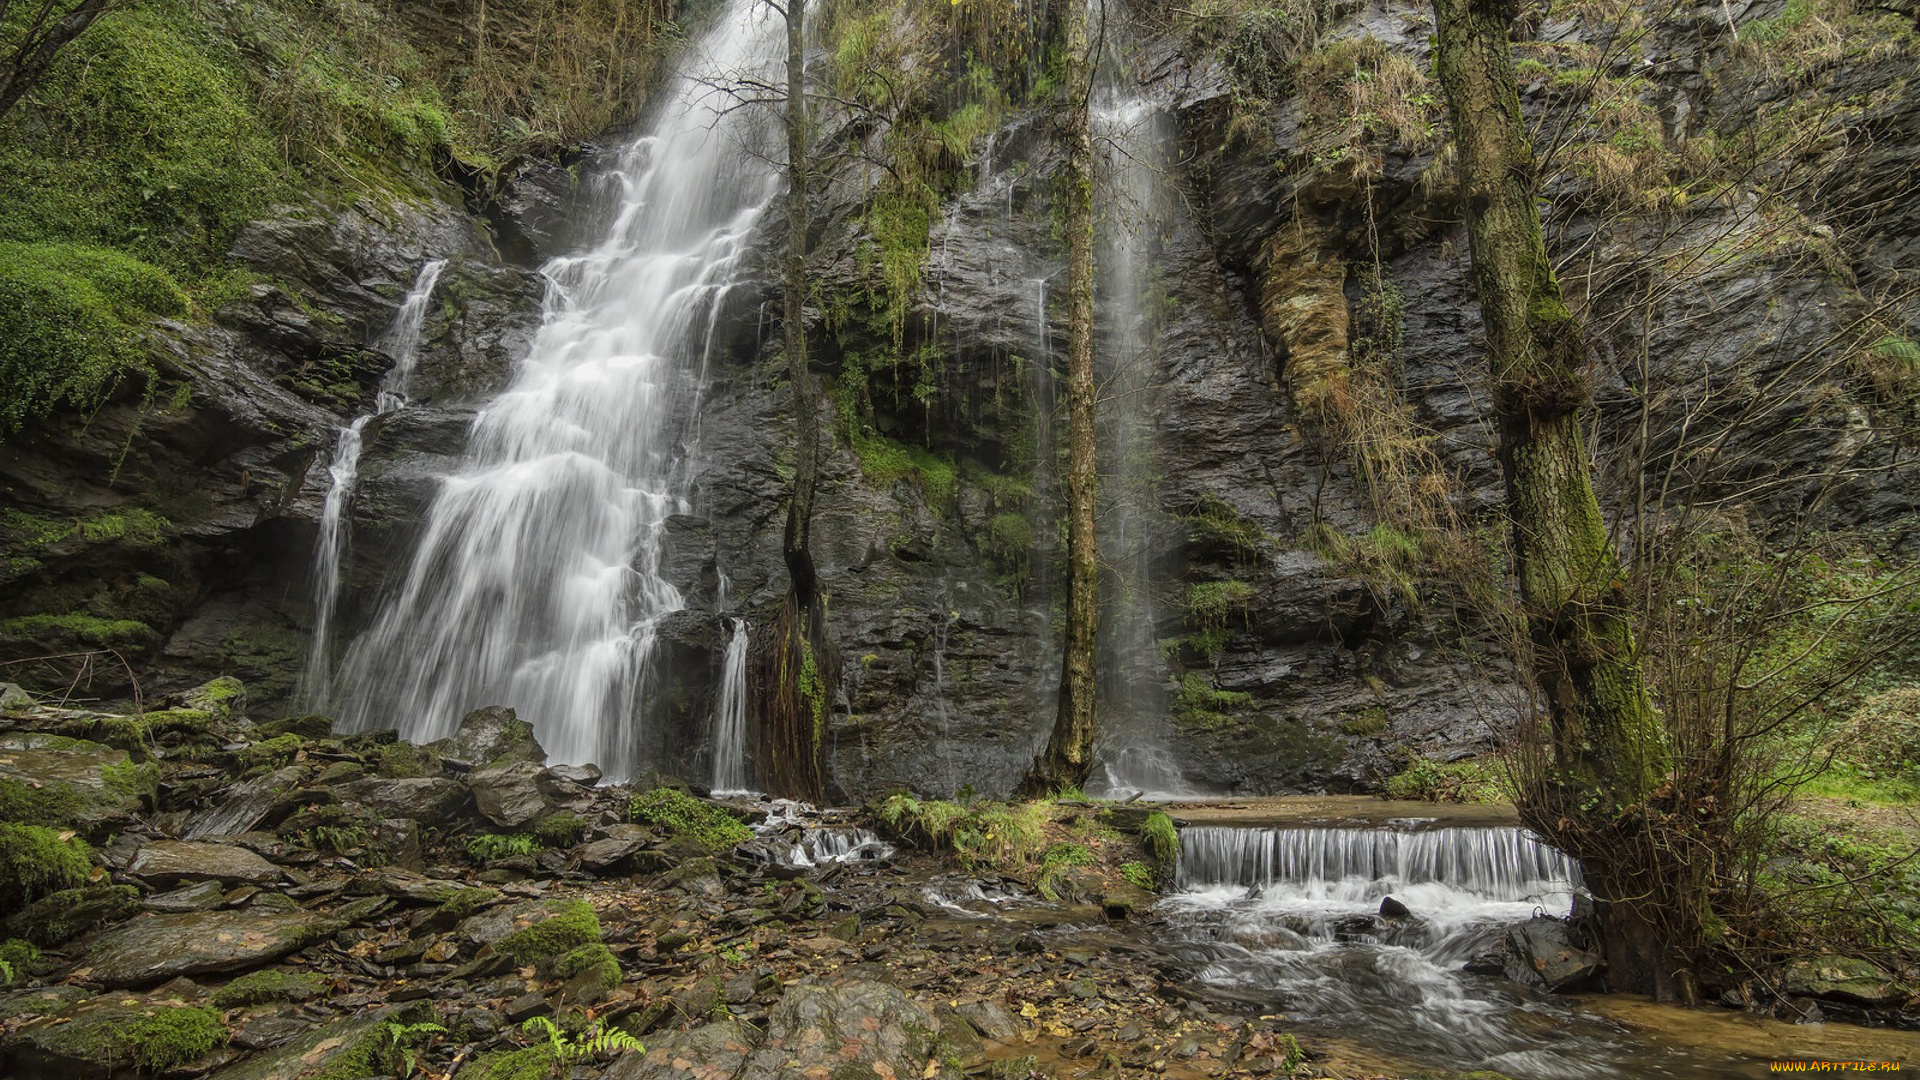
<point x="62" y="916"/>
<point x="112" y="1037"/>
<point x="494" y="735"/>
<point x="63" y="782"/>
<point x="36" y="861"/>
<point x="1841" y="978"/>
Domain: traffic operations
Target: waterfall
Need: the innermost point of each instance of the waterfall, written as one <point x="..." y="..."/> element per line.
<point x="730" y="718"/>
<point x="402" y="343"/>
<point x="1136" y="138"/>
<point x="1362" y="865"/>
<point x="536" y="579"/>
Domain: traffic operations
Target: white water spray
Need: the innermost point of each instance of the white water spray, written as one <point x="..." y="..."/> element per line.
<point x="402" y="343"/>
<point x="536" y="581"/>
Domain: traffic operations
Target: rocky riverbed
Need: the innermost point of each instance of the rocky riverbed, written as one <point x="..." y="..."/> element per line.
<point x="186" y="893"/>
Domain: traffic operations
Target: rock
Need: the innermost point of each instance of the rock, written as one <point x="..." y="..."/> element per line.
<point x="58" y="781"/>
<point x="155" y="948"/>
<point x="1393" y="909"/>
<point x="988" y="1019"/>
<point x="427" y="798"/>
<point x="56" y="919"/>
<point x="347" y="1047"/>
<point x="116" y="1036"/>
<point x="511" y="795"/>
<point x="584" y="775"/>
<point x="1841" y="978"/>
<point x="165" y="862"/>
<point x="200" y="896"/>
<point x="13" y="699"/>
<point x="1540" y="952"/>
<point x="493" y="735"/>
<point x="815" y="1029"/>
<point x="610" y="851"/>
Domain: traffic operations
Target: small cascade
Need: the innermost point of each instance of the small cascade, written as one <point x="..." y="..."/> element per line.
<point x="1133" y="757"/>
<point x="801" y="837"/>
<point x="1290" y="918"/>
<point x="1363" y="865"/>
<point x="402" y="343"/>
<point x="730" y="718"/>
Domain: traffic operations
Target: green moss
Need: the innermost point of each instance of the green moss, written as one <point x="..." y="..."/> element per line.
<point x="35" y="861"/>
<point x="886" y="463"/>
<point x="61" y="916"/>
<point x="1197" y="703"/>
<point x="269" y="657"/>
<point x="156" y="1038"/>
<point x="1366" y="722"/>
<point x="51" y="805"/>
<point x="1210" y="603"/>
<point x="261" y="987"/>
<point x="1161" y="838"/>
<point x="1055" y="861"/>
<point x="272" y="753"/>
<point x="1215" y="520"/>
<point x="530" y="1063"/>
<point x="15" y="956"/>
<point x="561" y="830"/>
<point x="1427" y="780"/>
<point x="132" y="526"/>
<point x="570" y="925"/>
<point x="402" y="760"/>
<point x="593" y="967"/>
<point x="78" y="633"/>
<point x="683" y="815"/>
<point x="1140" y="875"/>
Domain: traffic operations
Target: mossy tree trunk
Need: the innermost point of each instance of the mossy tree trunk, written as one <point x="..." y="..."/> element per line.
<point x="1068" y="758"/>
<point x="799" y="667"/>
<point x="1608" y="749"/>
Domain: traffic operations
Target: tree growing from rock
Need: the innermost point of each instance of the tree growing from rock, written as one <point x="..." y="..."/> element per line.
<point x="1068" y="757"/>
<point x="1608" y="748"/>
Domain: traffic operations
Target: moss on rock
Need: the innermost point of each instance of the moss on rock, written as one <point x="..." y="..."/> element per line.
<point x="35" y="861"/>
<point x="264" y="986"/>
<point x="151" y="1037"/>
<point x="683" y="815"/>
<point x="569" y="925"/>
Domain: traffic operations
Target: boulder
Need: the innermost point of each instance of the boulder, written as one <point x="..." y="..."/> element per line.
<point x="425" y="798"/>
<point x="55" y="919"/>
<point x="59" y="781"/>
<point x="493" y="735"/>
<point x="153" y="949"/>
<point x="1841" y="978"/>
<point x="121" y="1036"/>
<point x="165" y="862"/>
<point x="1540" y="952"/>
<point x="512" y="794"/>
<point x="13" y="699"/>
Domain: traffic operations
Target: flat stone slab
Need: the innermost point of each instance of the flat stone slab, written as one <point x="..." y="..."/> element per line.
<point x="153" y="949"/>
<point x="191" y="860"/>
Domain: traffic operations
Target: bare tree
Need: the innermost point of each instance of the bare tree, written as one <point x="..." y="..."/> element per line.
<point x="49" y="28"/>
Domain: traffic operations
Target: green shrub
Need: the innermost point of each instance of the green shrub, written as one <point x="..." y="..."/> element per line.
<point x="35" y="861"/>
<point x="683" y="815"/>
<point x="1210" y="603"/>
<point x="1161" y="837"/>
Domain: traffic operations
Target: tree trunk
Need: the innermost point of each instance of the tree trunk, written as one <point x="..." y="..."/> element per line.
<point x="800" y="665"/>
<point x="1608" y="748"/>
<point x="41" y="40"/>
<point x="1068" y="758"/>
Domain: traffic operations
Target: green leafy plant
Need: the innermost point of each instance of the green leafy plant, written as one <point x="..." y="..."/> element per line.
<point x="1140" y="875"/>
<point x="597" y="1041"/>
<point x="683" y="815"/>
<point x="490" y="846"/>
<point x="404" y="1043"/>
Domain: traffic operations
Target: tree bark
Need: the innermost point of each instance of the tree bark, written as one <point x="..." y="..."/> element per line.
<point x="1608" y="747"/>
<point x="41" y="40"/>
<point x="1068" y="758"/>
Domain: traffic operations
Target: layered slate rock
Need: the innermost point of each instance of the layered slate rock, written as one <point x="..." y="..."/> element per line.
<point x="167" y="862"/>
<point x="153" y="949"/>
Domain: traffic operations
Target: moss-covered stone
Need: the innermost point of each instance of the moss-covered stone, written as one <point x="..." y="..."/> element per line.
<point x="567" y="925"/>
<point x="272" y="753"/>
<point x="36" y="861"/>
<point x="685" y="816"/>
<point x="261" y="987"/>
<point x="561" y="830"/>
<point x="153" y="1037"/>
<point x="591" y="972"/>
<point x="400" y="761"/>
<point x="529" y="1063"/>
<point x="62" y="916"/>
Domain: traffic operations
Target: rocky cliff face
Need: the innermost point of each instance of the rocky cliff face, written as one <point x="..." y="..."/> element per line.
<point x="180" y="522"/>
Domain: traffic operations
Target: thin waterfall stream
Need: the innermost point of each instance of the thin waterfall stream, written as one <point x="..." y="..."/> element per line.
<point x="536" y="581"/>
<point x="1133" y="758"/>
<point x="402" y="343"/>
<point x="730" y="718"/>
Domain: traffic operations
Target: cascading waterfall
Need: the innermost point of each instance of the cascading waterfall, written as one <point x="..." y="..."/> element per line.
<point x="730" y="718"/>
<point x="1133" y="755"/>
<point x="536" y="581"/>
<point x="402" y="343"/>
<point x="1288" y="917"/>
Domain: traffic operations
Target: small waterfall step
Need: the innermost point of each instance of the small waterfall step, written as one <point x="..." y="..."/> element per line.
<point x="1501" y="863"/>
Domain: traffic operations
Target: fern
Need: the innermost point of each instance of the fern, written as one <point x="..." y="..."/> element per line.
<point x="491" y="846"/>
<point x="595" y="1042"/>
<point x="407" y="1040"/>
